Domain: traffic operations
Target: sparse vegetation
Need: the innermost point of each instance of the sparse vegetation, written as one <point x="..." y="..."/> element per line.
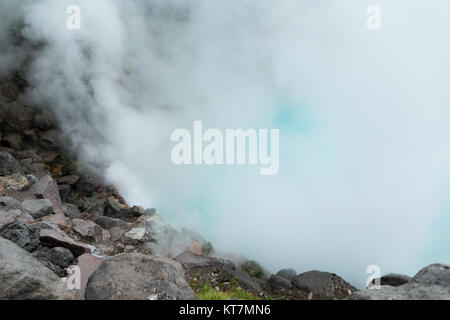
<point x="207" y="292"/>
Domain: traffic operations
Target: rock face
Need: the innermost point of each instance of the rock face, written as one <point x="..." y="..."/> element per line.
<point x="323" y="285"/>
<point x="138" y="277"/>
<point x="430" y="283"/>
<point x="24" y="236"/>
<point x="22" y="277"/>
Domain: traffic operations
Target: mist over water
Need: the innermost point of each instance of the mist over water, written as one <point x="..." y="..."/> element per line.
<point x="363" y="118"/>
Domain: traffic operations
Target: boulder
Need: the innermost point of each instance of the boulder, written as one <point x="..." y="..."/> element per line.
<point x="96" y="211"/>
<point x="23" y="277"/>
<point x="38" y="208"/>
<point x="13" y="141"/>
<point x="289" y="274"/>
<point x="47" y="188"/>
<point x="323" y="285"/>
<point x="138" y="277"/>
<point x="19" y="118"/>
<point x="44" y="121"/>
<point x="56" y="259"/>
<point x="64" y="192"/>
<point x="9" y="165"/>
<point x="116" y="233"/>
<point x="71" y="211"/>
<point x="26" y="237"/>
<point x="393" y="279"/>
<point x="109" y="223"/>
<point x="87" y="229"/>
<point x="14" y="182"/>
<point x="51" y="236"/>
<point x="9" y="202"/>
<point x="49" y="140"/>
<point x="276" y="282"/>
<point x="70" y="179"/>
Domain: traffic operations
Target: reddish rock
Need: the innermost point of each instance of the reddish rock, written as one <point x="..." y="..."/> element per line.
<point x="87" y="264"/>
<point x="48" y="189"/>
<point x="87" y="229"/>
<point x="51" y="236"/>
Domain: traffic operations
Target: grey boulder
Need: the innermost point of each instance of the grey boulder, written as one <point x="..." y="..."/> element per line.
<point x="23" y="277"/>
<point x="38" y="208"/>
<point x="138" y="277"/>
<point x="323" y="285"/>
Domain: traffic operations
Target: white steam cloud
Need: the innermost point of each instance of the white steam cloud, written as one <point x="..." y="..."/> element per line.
<point x="363" y="118"/>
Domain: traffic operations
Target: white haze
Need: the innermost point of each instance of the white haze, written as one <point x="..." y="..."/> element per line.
<point x="364" y="163"/>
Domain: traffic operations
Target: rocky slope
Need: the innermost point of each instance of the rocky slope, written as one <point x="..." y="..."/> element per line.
<point x="55" y="214"/>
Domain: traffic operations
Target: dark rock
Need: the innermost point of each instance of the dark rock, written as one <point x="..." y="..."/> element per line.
<point x="56" y="259"/>
<point x="29" y="138"/>
<point x="9" y="90"/>
<point x="26" y="237"/>
<point x="244" y="280"/>
<point x="289" y="274"/>
<point x="49" y="140"/>
<point x="275" y="283"/>
<point x="51" y="236"/>
<point x="64" y="192"/>
<point x="323" y="285"/>
<point x="88" y="229"/>
<point x="115" y="209"/>
<point x="9" y="202"/>
<point x="86" y="184"/>
<point x="96" y="211"/>
<point x="23" y="277"/>
<point x="9" y="165"/>
<point x="109" y="223"/>
<point x="393" y="280"/>
<point x="138" y="277"/>
<point x="44" y="121"/>
<point x="38" y="208"/>
<point x="26" y="154"/>
<point x="19" y="118"/>
<point x="13" y="141"/>
<point x="70" y="179"/>
<point x="137" y="211"/>
<point x="71" y="211"/>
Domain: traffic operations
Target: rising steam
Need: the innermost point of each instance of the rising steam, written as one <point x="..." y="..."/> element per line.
<point x="363" y="118"/>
